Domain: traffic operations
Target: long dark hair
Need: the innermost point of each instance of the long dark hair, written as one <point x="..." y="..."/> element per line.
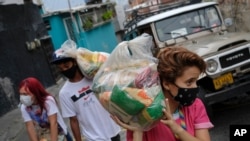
<point x="37" y="89"/>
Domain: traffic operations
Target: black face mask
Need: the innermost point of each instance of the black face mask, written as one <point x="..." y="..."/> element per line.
<point x="186" y="96"/>
<point x="70" y="73"/>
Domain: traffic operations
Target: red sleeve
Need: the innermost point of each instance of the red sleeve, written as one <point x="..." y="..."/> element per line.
<point x="201" y="118"/>
<point x="129" y="135"/>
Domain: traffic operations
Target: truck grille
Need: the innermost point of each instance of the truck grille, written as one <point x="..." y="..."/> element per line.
<point x="234" y="58"/>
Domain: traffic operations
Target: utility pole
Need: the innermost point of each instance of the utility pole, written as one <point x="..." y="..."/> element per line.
<point x="73" y="19"/>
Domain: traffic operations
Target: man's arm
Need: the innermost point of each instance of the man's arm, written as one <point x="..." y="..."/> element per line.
<point x="74" y="124"/>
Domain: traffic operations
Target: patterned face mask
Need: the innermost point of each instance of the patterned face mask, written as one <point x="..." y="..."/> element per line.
<point x="186" y="96"/>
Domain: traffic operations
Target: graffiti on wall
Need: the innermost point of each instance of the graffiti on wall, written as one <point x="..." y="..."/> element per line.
<point x="7" y="94"/>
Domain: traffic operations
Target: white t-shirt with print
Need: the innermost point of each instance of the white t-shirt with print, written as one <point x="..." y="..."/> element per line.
<point x="51" y="108"/>
<point x="77" y="99"/>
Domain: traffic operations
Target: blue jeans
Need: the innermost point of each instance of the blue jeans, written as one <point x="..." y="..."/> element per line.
<point x="68" y="137"/>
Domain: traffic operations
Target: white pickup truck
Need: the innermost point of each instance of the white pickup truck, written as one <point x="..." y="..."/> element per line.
<point x="201" y="28"/>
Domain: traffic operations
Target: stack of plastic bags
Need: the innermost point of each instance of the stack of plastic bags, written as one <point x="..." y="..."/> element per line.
<point x="128" y="85"/>
<point x="88" y="61"/>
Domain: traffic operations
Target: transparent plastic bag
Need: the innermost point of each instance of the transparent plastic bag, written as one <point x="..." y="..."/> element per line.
<point x="128" y="85"/>
<point x="44" y="134"/>
<point x="88" y="61"/>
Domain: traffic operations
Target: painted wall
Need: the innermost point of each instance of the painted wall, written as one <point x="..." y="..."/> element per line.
<point x="21" y="24"/>
<point x="57" y="31"/>
<point x="101" y="38"/>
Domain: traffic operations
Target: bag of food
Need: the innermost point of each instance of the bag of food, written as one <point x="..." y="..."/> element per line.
<point x="128" y="84"/>
<point x="88" y="61"/>
<point x="44" y="134"/>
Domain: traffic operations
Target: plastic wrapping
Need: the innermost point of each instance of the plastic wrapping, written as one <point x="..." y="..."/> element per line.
<point x="88" y="61"/>
<point x="128" y="85"/>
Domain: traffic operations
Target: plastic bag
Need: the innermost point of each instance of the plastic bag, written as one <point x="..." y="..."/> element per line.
<point x="44" y="134"/>
<point x="128" y="85"/>
<point x="88" y="61"/>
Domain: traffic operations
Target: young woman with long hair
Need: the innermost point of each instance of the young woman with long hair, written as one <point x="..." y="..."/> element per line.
<point x="40" y="112"/>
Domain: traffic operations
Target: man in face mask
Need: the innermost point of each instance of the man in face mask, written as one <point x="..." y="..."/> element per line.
<point x="66" y="65"/>
<point x="78" y="103"/>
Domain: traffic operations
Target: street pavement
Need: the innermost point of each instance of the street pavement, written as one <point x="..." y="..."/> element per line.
<point x="12" y="127"/>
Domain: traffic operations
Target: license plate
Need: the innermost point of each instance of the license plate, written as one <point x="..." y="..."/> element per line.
<point x="225" y="79"/>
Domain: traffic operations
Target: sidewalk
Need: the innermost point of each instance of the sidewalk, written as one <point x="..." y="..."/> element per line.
<point x="13" y="127"/>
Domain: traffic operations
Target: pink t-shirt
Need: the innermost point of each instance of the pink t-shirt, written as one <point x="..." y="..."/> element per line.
<point x="195" y="118"/>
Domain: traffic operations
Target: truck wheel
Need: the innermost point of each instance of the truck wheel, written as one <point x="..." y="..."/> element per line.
<point x="209" y="109"/>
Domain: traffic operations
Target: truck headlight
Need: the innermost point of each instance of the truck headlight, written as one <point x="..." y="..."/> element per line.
<point x="212" y="66"/>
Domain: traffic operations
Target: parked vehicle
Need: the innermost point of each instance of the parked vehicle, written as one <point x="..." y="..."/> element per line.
<point x="201" y="28"/>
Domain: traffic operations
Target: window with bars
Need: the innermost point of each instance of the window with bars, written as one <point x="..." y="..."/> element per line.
<point x="70" y="29"/>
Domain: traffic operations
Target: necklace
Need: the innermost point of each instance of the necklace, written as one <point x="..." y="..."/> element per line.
<point x="178" y="115"/>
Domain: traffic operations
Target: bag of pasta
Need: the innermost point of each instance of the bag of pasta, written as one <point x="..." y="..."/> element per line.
<point x="88" y="61"/>
<point x="128" y="85"/>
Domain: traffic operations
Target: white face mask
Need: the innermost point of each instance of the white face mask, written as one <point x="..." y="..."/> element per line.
<point x="26" y="100"/>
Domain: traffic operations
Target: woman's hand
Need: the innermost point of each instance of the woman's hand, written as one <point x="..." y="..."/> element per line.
<point x="137" y="132"/>
<point x="169" y="121"/>
<point x="183" y="135"/>
<point x="124" y="125"/>
<point x="167" y="113"/>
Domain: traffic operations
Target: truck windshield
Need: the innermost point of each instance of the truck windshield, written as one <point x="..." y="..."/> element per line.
<point x="187" y="23"/>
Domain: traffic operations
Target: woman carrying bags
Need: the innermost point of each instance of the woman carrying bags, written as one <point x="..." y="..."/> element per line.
<point x="185" y="117"/>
